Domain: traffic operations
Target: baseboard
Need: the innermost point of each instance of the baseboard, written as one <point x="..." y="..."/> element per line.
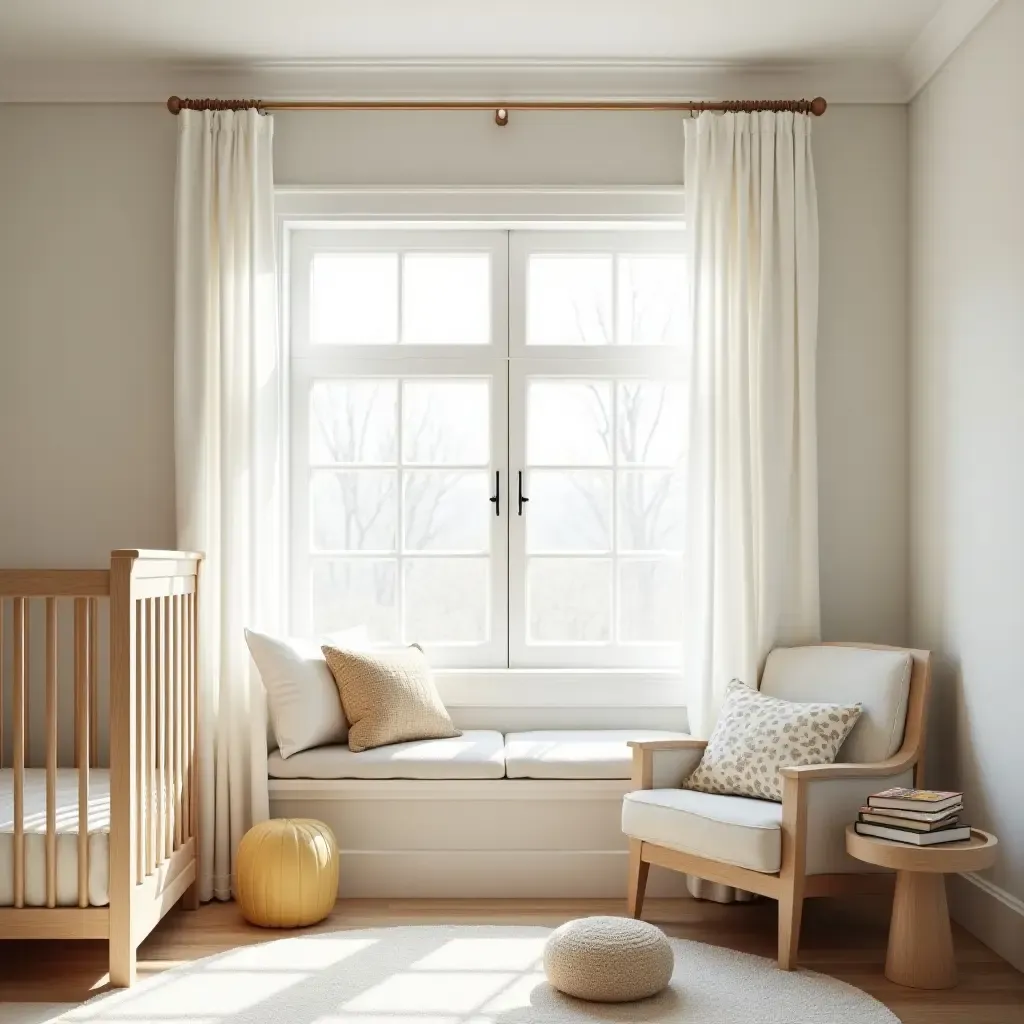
<point x="493" y="874"/>
<point x="990" y="913"/>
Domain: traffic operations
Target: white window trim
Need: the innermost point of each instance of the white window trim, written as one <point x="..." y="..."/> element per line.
<point x="495" y="208"/>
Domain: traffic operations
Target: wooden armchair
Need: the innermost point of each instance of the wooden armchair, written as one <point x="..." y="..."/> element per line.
<point x="795" y="849"/>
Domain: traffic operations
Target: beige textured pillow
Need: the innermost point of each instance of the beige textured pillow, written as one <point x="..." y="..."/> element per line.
<point x="388" y="697"/>
<point x="756" y="735"/>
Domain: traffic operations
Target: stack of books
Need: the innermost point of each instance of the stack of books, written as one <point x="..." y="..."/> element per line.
<point x="921" y="817"/>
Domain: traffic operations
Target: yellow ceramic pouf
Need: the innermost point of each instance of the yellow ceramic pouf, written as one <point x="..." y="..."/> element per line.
<point x="287" y="873"/>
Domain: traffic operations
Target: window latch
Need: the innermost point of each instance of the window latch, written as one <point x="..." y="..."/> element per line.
<point x="495" y="498"/>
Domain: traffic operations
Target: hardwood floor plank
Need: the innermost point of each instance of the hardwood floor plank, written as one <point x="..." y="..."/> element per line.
<point x="842" y="938"/>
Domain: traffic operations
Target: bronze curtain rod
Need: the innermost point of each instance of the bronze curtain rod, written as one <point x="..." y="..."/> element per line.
<point x="501" y="110"/>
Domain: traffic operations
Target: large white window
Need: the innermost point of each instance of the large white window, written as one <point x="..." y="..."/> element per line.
<point x="487" y="435"/>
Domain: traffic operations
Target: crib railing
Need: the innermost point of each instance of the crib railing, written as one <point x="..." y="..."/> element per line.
<point x="23" y="592"/>
<point x="144" y="673"/>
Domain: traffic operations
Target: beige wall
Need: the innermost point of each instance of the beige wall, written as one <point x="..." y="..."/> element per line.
<point x="967" y="443"/>
<point x="86" y="203"/>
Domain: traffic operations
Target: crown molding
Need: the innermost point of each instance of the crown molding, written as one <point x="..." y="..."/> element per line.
<point x="947" y="31"/>
<point x="864" y="81"/>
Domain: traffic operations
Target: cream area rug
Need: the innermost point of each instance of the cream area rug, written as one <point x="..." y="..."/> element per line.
<point x="462" y="975"/>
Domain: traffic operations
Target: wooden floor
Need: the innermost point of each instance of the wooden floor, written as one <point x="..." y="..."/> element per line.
<point x="845" y="939"/>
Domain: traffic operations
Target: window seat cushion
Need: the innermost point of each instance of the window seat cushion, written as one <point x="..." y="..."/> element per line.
<point x="575" y="754"/>
<point x="476" y="754"/>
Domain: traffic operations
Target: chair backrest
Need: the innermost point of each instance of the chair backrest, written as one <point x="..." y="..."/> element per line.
<point x="887" y="681"/>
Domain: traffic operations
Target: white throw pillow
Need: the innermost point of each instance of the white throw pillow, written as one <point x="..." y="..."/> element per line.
<point x="756" y="735"/>
<point x="302" y="698"/>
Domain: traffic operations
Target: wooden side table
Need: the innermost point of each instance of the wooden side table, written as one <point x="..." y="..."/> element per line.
<point x="920" y="951"/>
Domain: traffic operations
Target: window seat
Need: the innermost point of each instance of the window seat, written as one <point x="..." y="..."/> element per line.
<point x="564" y="754"/>
<point x="491" y="814"/>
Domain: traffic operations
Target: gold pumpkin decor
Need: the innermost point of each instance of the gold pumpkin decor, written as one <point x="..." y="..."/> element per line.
<point x="287" y="873"/>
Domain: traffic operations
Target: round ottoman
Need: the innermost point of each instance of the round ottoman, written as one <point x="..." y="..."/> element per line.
<point x="286" y="874"/>
<point x="608" y="959"/>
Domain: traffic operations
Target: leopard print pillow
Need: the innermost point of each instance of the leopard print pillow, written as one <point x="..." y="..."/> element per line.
<point x="756" y="735"/>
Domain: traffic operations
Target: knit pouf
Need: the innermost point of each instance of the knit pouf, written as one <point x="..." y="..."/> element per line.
<point x="287" y="873"/>
<point x="608" y="959"/>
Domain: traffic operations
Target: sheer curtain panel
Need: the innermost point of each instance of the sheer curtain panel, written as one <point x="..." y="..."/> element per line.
<point x="227" y="466"/>
<point x="751" y="521"/>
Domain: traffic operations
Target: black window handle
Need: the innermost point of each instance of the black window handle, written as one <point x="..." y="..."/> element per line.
<point x="495" y="498"/>
<point x="522" y="497"/>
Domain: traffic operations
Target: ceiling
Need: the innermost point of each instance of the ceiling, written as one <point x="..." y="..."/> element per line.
<point x="766" y="34"/>
<point x="697" y="30"/>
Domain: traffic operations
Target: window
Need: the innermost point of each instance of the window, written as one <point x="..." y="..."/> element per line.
<point x="487" y="434"/>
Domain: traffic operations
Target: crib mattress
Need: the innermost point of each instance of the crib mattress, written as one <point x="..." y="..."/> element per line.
<point x="67" y="837"/>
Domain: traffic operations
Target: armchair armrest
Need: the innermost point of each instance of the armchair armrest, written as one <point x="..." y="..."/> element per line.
<point x="894" y="765"/>
<point x="659" y="764"/>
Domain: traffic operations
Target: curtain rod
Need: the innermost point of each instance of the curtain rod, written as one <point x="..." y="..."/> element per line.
<point x="816" y="106"/>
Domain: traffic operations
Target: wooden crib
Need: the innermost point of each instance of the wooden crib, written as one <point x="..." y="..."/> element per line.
<point x="92" y="772"/>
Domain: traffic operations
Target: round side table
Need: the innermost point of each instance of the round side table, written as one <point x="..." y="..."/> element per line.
<point x="920" y="951"/>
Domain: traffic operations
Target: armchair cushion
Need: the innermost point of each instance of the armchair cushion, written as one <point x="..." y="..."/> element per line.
<point x="728" y="829"/>
<point x="877" y="679"/>
<point x="756" y="735"/>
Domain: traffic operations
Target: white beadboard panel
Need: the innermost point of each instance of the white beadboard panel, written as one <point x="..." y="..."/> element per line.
<point x="507" y="838"/>
<point x="519" y="874"/>
<point x="466" y="825"/>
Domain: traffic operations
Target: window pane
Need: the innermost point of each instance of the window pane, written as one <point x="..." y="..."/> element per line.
<point x="650" y="600"/>
<point x="569" y="423"/>
<point x="446" y="600"/>
<point x="446" y="422"/>
<point x="446" y="299"/>
<point x="569" y="300"/>
<point x="651" y="423"/>
<point x="355" y="510"/>
<point x="652" y="306"/>
<point x="569" y="510"/>
<point x="447" y="510"/>
<point x="650" y="510"/>
<point x="353" y="592"/>
<point x="355" y="299"/>
<point x="353" y="421"/>
<point x="569" y="600"/>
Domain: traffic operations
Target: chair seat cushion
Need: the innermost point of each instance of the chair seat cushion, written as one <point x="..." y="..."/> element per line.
<point x="729" y="829"/>
<point x="575" y="754"/>
<point x="473" y="755"/>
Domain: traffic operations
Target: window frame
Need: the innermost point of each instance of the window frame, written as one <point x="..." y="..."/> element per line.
<point x="656" y="208"/>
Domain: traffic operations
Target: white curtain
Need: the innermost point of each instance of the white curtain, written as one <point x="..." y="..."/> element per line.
<point x="751" y="519"/>
<point x="226" y="409"/>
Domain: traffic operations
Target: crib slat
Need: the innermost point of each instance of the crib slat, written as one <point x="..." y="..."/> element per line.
<point x="82" y="727"/>
<point x="140" y="742"/>
<point x="165" y="694"/>
<point x="51" y="752"/>
<point x="151" y="789"/>
<point x="94" y="649"/>
<point x="176" y="693"/>
<point x="19" y="667"/>
<point x="186" y="616"/>
<point x="2" y="663"/>
<point x="158" y="683"/>
<point x="27" y="646"/>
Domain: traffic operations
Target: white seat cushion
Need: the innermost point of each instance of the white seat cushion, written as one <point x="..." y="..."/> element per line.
<point x="729" y="829"/>
<point x="473" y="755"/>
<point x="575" y="754"/>
<point x="878" y="680"/>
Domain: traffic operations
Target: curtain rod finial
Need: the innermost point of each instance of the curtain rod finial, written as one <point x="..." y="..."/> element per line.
<point x="818" y="106"/>
<point x="174" y="104"/>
